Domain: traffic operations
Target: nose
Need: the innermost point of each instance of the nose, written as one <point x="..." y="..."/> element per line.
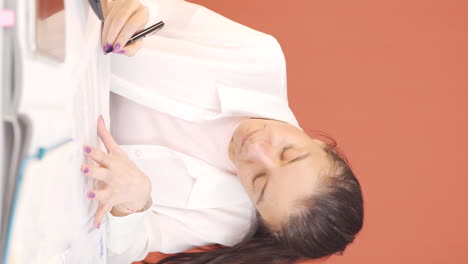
<point x="261" y="152"/>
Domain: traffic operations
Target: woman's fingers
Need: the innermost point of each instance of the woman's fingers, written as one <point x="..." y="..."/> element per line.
<point x="124" y="19"/>
<point x="134" y="24"/>
<point x="100" y="213"/>
<point x="106" y="25"/>
<point x="99" y="195"/>
<point x="133" y="48"/>
<point x="120" y="19"/>
<point x="106" y="137"/>
<point x="98" y="156"/>
<point x="96" y="172"/>
<point x="116" y="19"/>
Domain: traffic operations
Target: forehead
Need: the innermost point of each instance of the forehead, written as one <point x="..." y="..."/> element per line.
<point x="288" y="186"/>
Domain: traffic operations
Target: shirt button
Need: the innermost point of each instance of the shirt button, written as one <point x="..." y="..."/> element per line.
<point x="138" y="153"/>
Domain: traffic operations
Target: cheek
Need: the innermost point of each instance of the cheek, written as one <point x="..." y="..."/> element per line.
<point x="244" y="179"/>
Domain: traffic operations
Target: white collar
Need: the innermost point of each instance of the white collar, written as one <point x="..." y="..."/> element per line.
<point x="242" y="102"/>
<point x="234" y="102"/>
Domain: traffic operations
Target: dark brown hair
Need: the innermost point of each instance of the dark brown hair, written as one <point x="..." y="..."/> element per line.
<point x="327" y="222"/>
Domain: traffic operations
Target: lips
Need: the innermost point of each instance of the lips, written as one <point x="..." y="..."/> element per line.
<point x="246" y="137"/>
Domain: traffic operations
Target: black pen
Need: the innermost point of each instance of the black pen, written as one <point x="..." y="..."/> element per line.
<point x="141" y="34"/>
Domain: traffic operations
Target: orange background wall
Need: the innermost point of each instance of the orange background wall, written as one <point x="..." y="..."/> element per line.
<point x="388" y="79"/>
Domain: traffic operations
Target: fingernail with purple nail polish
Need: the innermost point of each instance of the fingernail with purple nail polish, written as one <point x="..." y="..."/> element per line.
<point x="87" y="149"/>
<point x="121" y="51"/>
<point x="106" y="47"/>
<point x="91" y="195"/>
<point x="117" y="47"/>
<point x="86" y="170"/>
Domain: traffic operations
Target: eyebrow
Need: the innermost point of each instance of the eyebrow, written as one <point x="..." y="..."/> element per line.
<point x="260" y="198"/>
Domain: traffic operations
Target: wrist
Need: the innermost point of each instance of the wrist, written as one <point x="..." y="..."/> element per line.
<point x="125" y="209"/>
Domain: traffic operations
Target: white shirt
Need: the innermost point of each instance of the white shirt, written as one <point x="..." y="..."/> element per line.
<point x="136" y="124"/>
<point x="178" y="102"/>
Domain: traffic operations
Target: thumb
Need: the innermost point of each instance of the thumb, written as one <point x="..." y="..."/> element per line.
<point x="106" y="137"/>
<point x="132" y="49"/>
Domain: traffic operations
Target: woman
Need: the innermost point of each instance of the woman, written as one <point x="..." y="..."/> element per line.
<point x="210" y="94"/>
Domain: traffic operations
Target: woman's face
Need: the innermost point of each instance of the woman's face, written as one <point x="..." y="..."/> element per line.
<point x="278" y="166"/>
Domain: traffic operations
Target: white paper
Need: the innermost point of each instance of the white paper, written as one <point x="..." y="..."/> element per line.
<point x="53" y="220"/>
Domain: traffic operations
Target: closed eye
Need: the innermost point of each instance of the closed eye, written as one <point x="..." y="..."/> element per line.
<point x="284" y="151"/>
<point x="298" y="158"/>
<point x="301" y="157"/>
<point x="291" y="160"/>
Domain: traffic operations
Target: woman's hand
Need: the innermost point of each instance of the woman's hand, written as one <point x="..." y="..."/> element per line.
<point x="125" y="187"/>
<point x="123" y="19"/>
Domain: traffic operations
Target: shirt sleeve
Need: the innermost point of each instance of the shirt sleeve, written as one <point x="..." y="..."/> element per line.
<point x="171" y="230"/>
<point x="251" y="57"/>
